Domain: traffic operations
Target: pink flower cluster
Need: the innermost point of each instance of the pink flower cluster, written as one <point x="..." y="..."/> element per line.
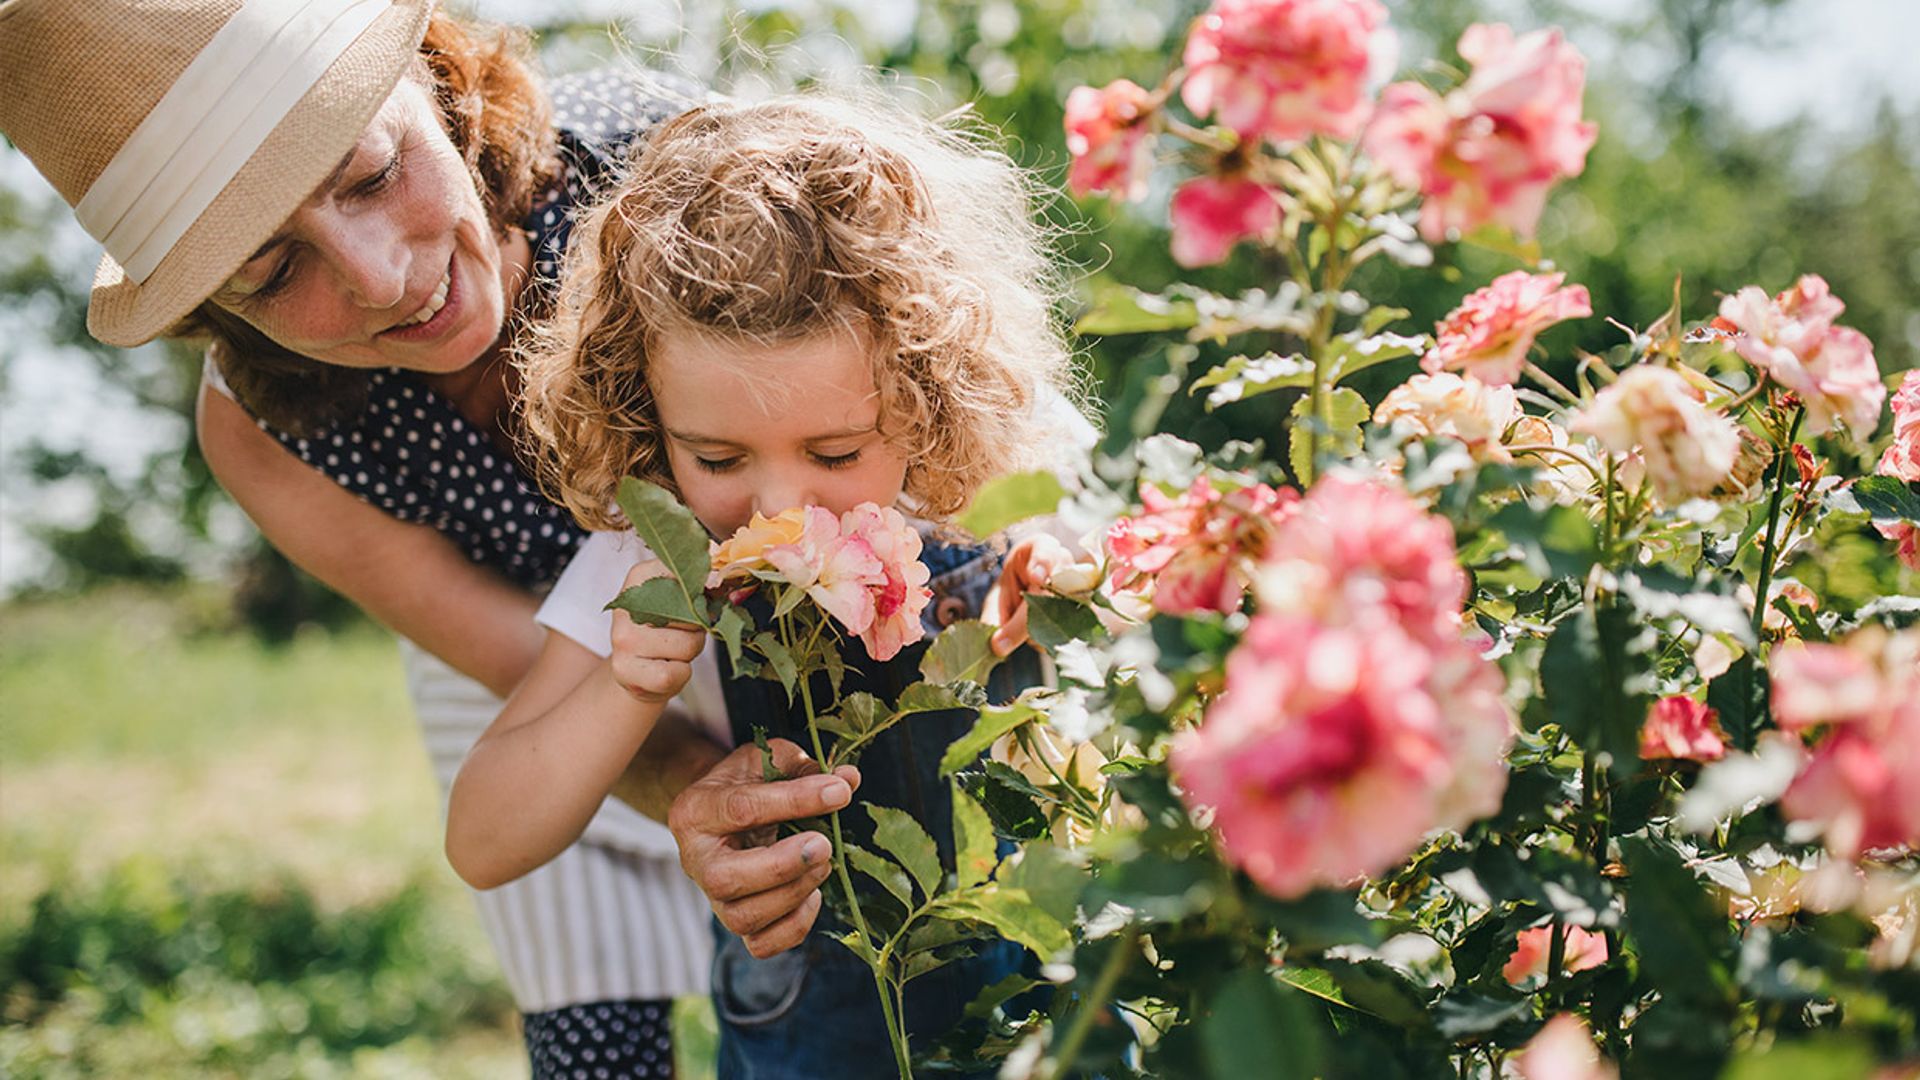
<point x="1862" y="783"/>
<point x="1110" y="135"/>
<point x="1356" y="718"/>
<point x="1456" y="407"/>
<point x="1489" y="151"/>
<point x="1679" y="727"/>
<point x="1489" y="334"/>
<point x="1195" y="552"/>
<point x="1283" y="69"/>
<point x="862" y="567"/>
<point x="1793" y="339"/>
<point x="1902" y="461"/>
<point x="1210" y="214"/>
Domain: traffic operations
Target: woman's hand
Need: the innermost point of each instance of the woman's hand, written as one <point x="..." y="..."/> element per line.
<point x="763" y="889"/>
<point x="652" y="663"/>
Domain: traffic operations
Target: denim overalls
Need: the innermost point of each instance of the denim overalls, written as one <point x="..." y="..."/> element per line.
<point x="813" y="1011"/>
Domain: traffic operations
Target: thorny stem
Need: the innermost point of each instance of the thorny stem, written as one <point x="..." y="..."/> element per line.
<point x="896" y="1033"/>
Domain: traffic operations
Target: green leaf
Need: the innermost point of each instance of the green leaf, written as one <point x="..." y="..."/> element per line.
<point x="656" y="602"/>
<point x="962" y="653"/>
<point x="998" y="994"/>
<point x="1052" y="621"/>
<point x="1014" y="915"/>
<point x="1372" y="986"/>
<point x="889" y="875"/>
<point x="1159" y="887"/>
<point x="1463" y="1014"/>
<point x="1558" y="541"/>
<point x="1346" y="412"/>
<point x="1014" y="814"/>
<point x="1051" y="878"/>
<point x="1681" y="935"/>
<point x="1378" y="318"/>
<point x="1008" y="499"/>
<point x="857" y="715"/>
<point x="1888" y="500"/>
<point x="1125" y="310"/>
<point x="769" y="772"/>
<point x="1598" y="674"/>
<point x="975" y="848"/>
<point x="994" y="721"/>
<point x="730" y="624"/>
<point x="671" y="532"/>
<point x="1255" y="1026"/>
<point x="779" y="659"/>
<point x="1354" y="352"/>
<point x="900" y="836"/>
<point x="1243" y="377"/>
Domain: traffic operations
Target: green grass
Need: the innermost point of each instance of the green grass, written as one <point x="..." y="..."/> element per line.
<point x="223" y="859"/>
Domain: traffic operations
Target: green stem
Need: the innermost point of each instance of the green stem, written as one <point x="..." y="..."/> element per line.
<point x="1095" y="1001"/>
<point x="1556" y="952"/>
<point x="1782" y="458"/>
<point x="896" y="1032"/>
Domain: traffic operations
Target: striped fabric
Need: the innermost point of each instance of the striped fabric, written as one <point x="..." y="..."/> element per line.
<point x="612" y="918"/>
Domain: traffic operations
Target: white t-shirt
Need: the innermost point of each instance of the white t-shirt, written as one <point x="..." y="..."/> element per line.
<point x="577" y="608"/>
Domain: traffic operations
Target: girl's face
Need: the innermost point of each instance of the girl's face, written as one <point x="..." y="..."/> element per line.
<point x="391" y="263"/>
<point x="768" y="427"/>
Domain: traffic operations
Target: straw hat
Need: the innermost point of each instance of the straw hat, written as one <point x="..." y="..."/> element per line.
<point x="184" y="132"/>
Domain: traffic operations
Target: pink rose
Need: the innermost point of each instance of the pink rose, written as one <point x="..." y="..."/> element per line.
<point x="1488" y="152"/>
<point x="1327" y="758"/>
<point x="1456" y="407"/>
<point x="1563" y="1050"/>
<point x="1902" y="457"/>
<point x="1489" y="334"/>
<point x="1861" y="784"/>
<point x="1110" y="135"/>
<point x="1195" y="552"/>
<point x="1906" y="542"/>
<point x="835" y="571"/>
<point x="1283" y="69"/>
<point x="1533" y="947"/>
<point x="1212" y="213"/>
<point x="1679" y="727"/>
<point x="901" y="594"/>
<point x="1793" y="339"/>
<point x="1684" y="448"/>
<point x="1356" y="545"/>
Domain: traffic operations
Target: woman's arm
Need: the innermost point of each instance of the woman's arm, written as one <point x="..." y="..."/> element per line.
<point x="408" y="576"/>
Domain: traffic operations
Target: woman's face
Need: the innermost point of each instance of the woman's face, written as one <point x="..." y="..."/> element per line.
<point x="768" y="427"/>
<point x="391" y="263"/>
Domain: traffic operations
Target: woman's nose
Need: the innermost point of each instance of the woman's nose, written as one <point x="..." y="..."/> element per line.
<point x="369" y="259"/>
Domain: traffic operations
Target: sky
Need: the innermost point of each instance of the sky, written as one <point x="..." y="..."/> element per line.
<point x="1832" y="59"/>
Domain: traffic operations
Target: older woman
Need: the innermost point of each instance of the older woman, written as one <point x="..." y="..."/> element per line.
<point x="360" y="203"/>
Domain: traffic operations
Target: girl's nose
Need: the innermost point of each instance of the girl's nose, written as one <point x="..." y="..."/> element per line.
<point x="782" y="490"/>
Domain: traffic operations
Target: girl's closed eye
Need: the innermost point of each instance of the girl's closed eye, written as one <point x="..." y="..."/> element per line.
<point x="717" y="465"/>
<point x="837" y="461"/>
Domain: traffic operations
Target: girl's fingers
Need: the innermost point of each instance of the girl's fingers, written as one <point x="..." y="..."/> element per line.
<point x="1013" y="630"/>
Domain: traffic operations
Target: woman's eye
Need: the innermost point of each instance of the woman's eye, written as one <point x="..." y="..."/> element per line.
<point x="276" y="282"/>
<point x="719" y="465"/>
<point x="837" y="461"/>
<point x="381" y="179"/>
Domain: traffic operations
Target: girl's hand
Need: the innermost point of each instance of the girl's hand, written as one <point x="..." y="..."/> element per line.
<point x="1030" y="567"/>
<point x="652" y="663"/>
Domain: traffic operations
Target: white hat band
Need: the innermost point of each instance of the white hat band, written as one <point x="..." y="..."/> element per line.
<point x="212" y="119"/>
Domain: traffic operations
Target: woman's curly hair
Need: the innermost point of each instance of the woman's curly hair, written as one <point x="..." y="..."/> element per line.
<point x="499" y="119"/>
<point x="778" y="220"/>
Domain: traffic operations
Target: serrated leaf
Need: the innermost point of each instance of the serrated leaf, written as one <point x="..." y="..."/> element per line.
<point x="730" y="625"/>
<point x="671" y="532"/>
<point x="963" y="652"/>
<point x="789" y="598"/>
<point x="1681" y="934"/>
<point x="1346" y="412"/>
<point x="1124" y="310"/>
<point x="1014" y="914"/>
<point x="1052" y="621"/>
<point x="656" y="602"/>
<point x="920" y="963"/>
<point x="890" y="876"/>
<point x="994" y="721"/>
<point x="1242" y="377"/>
<point x="1015" y="815"/>
<point x="1598" y="673"/>
<point x="1558" y="541"/>
<point x="900" y="836"/>
<point x="1008" y="499"/>
<point x="1378" y="318"/>
<point x="780" y="660"/>
<point x="859" y="946"/>
<point x="769" y="772"/>
<point x="1051" y="878"/>
<point x="1888" y="500"/>
<point x="975" y="848"/>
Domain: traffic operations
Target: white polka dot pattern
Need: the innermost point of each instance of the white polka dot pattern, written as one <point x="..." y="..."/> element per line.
<point x="614" y="1040"/>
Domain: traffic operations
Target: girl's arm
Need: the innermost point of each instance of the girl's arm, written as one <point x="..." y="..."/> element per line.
<point x="537" y="776"/>
<point x="408" y="576"/>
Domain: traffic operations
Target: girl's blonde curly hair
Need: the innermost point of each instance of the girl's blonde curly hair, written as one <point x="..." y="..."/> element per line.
<point x="774" y="221"/>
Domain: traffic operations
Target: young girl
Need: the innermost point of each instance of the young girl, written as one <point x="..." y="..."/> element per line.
<point x="797" y="302"/>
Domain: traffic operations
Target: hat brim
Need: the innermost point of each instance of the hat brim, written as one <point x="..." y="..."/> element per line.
<point x="301" y="153"/>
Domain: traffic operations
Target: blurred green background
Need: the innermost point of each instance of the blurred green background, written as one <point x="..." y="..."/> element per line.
<point x="219" y="832"/>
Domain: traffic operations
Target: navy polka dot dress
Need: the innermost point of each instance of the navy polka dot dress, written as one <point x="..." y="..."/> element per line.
<point x="411" y="453"/>
<point x="611" y="1041"/>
